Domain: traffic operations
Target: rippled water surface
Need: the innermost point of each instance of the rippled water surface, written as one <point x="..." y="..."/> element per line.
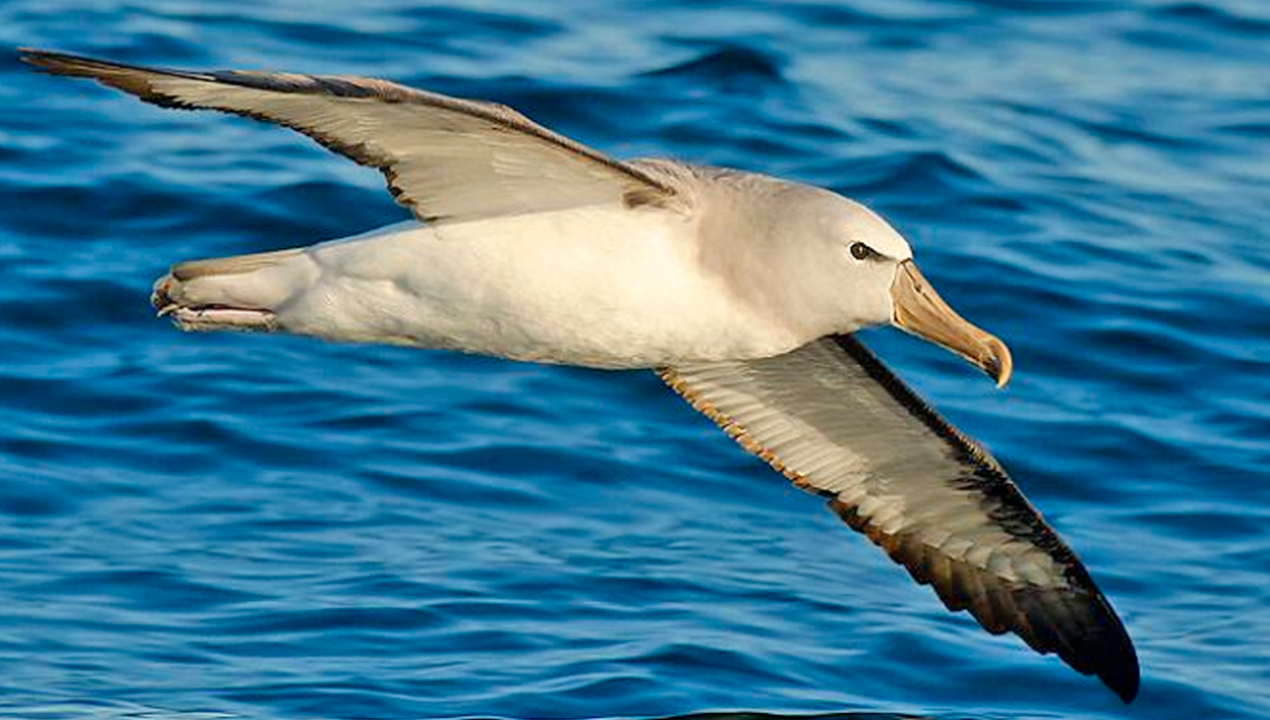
<point x="270" y="527"/>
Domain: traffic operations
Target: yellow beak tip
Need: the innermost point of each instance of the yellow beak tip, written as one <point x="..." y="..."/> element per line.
<point x="1000" y="366"/>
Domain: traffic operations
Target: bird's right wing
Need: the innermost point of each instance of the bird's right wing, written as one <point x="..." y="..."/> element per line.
<point x="445" y="158"/>
<point x="834" y="420"/>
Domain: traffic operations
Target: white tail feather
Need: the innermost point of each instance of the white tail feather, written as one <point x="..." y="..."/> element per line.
<point x="240" y="292"/>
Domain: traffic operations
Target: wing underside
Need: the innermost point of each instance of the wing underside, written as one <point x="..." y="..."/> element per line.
<point x="835" y="421"/>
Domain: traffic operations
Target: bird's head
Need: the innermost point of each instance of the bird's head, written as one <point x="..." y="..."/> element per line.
<point x="886" y="287"/>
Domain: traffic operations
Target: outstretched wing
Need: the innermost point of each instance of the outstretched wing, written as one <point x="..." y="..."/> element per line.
<point x="445" y="159"/>
<point x="834" y="420"/>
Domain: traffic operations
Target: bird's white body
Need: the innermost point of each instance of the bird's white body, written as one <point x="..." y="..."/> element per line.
<point x="602" y="286"/>
<point x="592" y="286"/>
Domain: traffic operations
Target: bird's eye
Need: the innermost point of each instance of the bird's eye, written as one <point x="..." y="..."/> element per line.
<point x="860" y="251"/>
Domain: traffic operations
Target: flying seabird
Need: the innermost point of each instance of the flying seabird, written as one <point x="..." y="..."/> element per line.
<point x="740" y="290"/>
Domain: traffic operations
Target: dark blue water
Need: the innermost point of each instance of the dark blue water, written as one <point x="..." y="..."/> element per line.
<point x="269" y="527"/>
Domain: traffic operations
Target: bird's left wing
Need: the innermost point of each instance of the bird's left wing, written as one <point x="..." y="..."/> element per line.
<point x="445" y="158"/>
<point x="835" y="421"/>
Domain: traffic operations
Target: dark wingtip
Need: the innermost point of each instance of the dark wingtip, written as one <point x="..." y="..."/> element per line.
<point x="1115" y="661"/>
<point x="36" y="56"/>
<point x="1106" y="649"/>
<point x="33" y="56"/>
<point x="1128" y="691"/>
<point x="1123" y="677"/>
<point x="55" y="62"/>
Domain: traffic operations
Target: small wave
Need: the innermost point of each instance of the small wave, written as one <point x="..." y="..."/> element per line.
<point x="728" y="66"/>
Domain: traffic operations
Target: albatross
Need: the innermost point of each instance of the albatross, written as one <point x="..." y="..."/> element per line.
<point x="740" y="290"/>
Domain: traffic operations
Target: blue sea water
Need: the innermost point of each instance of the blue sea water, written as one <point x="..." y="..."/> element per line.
<point x="210" y="526"/>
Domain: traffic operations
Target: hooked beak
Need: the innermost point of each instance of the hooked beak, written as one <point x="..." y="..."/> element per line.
<point x="919" y="310"/>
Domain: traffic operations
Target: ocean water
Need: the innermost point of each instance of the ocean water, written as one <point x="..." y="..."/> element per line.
<point x="224" y="526"/>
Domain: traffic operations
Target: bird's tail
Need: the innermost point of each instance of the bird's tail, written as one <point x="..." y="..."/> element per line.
<point x="242" y="292"/>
